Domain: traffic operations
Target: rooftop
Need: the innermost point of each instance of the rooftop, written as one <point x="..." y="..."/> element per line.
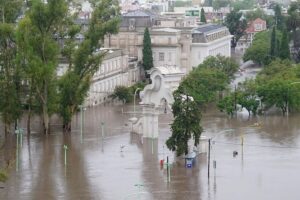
<point x="207" y="28"/>
<point x="169" y="30"/>
<point x="139" y="13"/>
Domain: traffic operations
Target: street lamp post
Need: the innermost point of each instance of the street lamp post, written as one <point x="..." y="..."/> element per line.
<point x="17" y="151"/>
<point x="134" y="97"/>
<point x="102" y="133"/>
<point x="288" y="91"/>
<point x="82" y="109"/>
<point x="81" y="122"/>
<point x="168" y="170"/>
<point x="209" y="147"/>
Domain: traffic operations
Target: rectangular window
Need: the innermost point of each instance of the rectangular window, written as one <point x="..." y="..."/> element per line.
<point x="161" y="56"/>
<point x="258" y="27"/>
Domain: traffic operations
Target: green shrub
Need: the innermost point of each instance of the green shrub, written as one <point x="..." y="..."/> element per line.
<point x="3" y="176"/>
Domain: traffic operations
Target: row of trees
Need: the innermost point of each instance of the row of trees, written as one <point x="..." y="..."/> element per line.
<point x="276" y="86"/>
<point x="275" y="44"/>
<point x="32" y="49"/>
<point x="237" y="23"/>
<point x="200" y="87"/>
<point x="268" y="45"/>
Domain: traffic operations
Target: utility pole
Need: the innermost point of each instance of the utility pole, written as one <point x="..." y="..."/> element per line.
<point x="17" y="151"/>
<point x="208" y="164"/>
<point x="235" y="99"/>
<point x="168" y="171"/>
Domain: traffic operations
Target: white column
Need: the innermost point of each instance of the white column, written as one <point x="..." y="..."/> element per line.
<point x="150" y="122"/>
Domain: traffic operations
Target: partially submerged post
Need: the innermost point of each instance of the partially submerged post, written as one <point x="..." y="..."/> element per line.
<point x="65" y="149"/>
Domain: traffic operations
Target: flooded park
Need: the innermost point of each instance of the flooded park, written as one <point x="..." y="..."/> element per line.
<point x="108" y="162"/>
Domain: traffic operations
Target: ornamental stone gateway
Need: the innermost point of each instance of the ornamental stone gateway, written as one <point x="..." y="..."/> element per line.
<point x="164" y="80"/>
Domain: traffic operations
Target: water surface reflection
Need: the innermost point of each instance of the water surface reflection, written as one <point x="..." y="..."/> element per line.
<point x="266" y="166"/>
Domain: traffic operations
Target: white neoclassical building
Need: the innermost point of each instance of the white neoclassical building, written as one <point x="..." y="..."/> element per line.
<point x="117" y="69"/>
<point x="209" y="40"/>
<point x="165" y="44"/>
<point x="187" y="47"/>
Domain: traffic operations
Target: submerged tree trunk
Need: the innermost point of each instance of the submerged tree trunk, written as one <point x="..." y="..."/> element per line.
<point x="45" y="120"/>
<point x="67" y="127"/>
<point x="29" y="112"/>
<point x="6" y="129"/>
<point x="45" y="109"/>
<point x="29" y="121"/>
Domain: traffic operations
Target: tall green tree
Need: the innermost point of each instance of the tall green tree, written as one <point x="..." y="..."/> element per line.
<point x="202" y="17"/>
<point x="147" y="51"/>
<point x="10" y="102"/>
<point x="41" y="51"/>
<point x="274" y="44"/>
<point x="279" y="19"/>
<point x="236" y="25"/>
<point x="284" y="51"/>
<point x="85" y="60"/>
<point x="186" y="124"/>
<point x="197" y="89"/>
<point x="293" y="25"/>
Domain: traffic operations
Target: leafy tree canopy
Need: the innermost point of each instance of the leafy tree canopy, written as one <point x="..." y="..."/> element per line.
<point x="259" y="51"/>
<point x="225" y="64"/>
<point x="186" y="124"/>
<point x="278" y="85"/>
<point x="236" y="25"/>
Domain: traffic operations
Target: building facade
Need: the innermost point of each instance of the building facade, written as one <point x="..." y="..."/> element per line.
<point x="186" y="48"/>
<point x="209" y="40"/>
<point x="117" y="69"/>
<point x="246" y="40"/>
<point x="132" y="24"/>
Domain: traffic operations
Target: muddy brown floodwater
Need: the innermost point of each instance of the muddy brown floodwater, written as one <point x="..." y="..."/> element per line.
<point x="266" y="167"/>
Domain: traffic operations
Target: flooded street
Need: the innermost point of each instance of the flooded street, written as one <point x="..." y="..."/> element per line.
<point x="266" y="167"/>
<point x="117" y="165"/>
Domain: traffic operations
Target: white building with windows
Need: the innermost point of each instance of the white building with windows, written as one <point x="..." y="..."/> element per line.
<point x="209" y="40"/>
<point x="165" y="44"/>
<point x="117" y="69"/>
<point x="246" y="40"/>
<point x="187" y="47"/>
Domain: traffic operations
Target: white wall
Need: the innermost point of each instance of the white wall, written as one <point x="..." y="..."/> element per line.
<point x="200" y="51"/>
<point x="113" y="72"/>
